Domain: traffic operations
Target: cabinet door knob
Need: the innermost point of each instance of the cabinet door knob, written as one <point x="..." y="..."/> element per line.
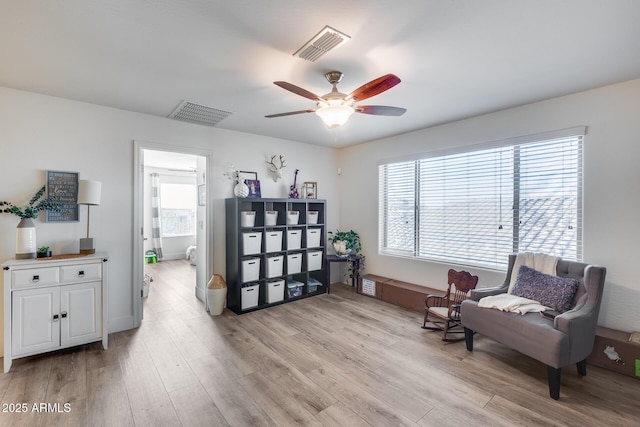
<point x="55" y="317"/>
<point x="36" y="278"/>
<point x="81" y="273"/>
<point x="63" y="314"/>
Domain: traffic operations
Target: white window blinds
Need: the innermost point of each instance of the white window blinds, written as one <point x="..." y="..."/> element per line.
<point x="397" y="203"/>
<point x="477" y="207"/>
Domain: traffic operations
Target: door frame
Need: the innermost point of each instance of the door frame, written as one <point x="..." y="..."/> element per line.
<point x="138" y="220"/>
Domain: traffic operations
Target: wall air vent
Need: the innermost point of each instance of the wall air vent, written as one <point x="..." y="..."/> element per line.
<point x="327" y="39"/>
<point x="199" y="114"/>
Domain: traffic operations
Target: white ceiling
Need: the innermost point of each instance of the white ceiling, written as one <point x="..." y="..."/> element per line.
<point x="456" y="58"/>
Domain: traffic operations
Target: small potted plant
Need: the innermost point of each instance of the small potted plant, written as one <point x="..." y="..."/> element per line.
<point x="345" y="242"/>
<point x="44" y="252"/>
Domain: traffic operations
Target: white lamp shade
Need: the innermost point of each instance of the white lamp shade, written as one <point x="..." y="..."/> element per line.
<point x="89" y="192"/>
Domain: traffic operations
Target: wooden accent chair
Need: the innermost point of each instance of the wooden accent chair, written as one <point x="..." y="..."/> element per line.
<point x="444" y="311"/>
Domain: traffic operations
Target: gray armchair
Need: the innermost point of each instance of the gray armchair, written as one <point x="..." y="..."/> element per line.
<point x="565" y="340"/>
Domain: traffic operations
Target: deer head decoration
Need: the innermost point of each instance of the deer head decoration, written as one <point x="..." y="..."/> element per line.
<point x="275" y="169"/>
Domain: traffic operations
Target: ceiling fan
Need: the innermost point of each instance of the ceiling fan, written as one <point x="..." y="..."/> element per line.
<point x="335" y="108"/>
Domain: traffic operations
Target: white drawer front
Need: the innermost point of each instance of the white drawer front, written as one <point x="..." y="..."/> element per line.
<point x="80" y="273"/>
<point x="35" y="277"/>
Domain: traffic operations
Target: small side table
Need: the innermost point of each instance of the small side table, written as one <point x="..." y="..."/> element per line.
<point x="355" y="266"/>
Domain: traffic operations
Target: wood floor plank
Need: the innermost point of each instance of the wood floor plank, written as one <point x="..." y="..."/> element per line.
<point x="108" y="403"/>
<point x="225" y="350"/>
<point x="26" y="388"/>
<point x="68" y="377"/>
<point x="171" y="365"/>
<point x="195" y="407"/>
<point x="151" y="404"/>
<point x="457" y="413"/>
<point x="340" y="415"/>
<point x="368" y="406"/>
<point x="286" y="347"/>
<point x="57" y="416"/>
<point x="279" y="403"/>
<point x="227" y="393"/>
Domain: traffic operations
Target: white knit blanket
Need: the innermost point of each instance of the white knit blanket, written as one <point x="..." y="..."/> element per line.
<point x="512" y="303"/>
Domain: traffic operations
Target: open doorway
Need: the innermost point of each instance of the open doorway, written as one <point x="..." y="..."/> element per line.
<point x="172" y="214"/>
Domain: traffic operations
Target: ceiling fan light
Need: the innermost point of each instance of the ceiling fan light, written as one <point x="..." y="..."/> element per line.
<point x="335" y="115"/>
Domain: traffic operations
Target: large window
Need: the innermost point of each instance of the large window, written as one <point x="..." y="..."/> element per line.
<point x="477" y="207"/>
<point x="178" y="209"/>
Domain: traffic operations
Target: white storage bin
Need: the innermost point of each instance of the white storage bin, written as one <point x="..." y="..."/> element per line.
<point x="270" y="217"/>
<point x="294" y="288"/>
<point x="274" y="266"/>
<point x="292" y="217"/>
<point x="250" y="269"/>
<point x="251" y="243"/>
<point x="275" y="291"/>
<point x="314" y="260"/>
<point x="294" y="263"/>
<point x="312" y="217"/>
<point x="273" y="241"/>
<point x="249" y="296"/>
<point x="313" y="237"/>
<point x="247" y="218"/>
<point x="294" y="239"/>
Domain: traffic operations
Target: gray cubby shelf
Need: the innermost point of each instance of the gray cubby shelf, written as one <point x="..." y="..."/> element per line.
<point x="257" y="248"/>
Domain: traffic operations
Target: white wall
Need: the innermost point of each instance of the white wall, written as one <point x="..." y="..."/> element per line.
<point x="611" y="187"/>
<point x="41" y="133"/>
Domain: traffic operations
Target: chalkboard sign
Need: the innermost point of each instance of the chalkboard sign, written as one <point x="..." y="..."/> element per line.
<point x="62" y="187"/>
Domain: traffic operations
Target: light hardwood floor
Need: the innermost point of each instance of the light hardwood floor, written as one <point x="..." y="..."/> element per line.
<point x="335" y="360"/>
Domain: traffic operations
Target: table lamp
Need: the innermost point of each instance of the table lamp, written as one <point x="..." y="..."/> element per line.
<point x="88" y="194"/>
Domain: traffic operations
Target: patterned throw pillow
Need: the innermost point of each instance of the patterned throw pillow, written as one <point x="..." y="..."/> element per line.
<point x="552" y="291"/>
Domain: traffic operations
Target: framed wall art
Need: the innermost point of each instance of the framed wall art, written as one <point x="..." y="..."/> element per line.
<point x="254" y="187"/>
<point x="246" y="175"/>
<point x="310" y="190"/>
<point x="63" y="187"/>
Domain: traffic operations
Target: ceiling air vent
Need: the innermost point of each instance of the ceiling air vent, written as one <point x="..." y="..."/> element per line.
<point x="199" y="114"/>
<point x="327" y="39"/>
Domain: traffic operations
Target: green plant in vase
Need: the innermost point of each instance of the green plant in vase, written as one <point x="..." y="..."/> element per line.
<point x="26" y="231"/>
<point x="346" y="243"/>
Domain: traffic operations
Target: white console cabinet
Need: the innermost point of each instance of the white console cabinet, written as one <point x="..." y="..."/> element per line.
<point x="53" y="304"/>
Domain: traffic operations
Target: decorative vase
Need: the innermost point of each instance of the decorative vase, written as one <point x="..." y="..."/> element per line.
<point x="241" y="189"/>
<point x="216" y="295"/>
<point x="340" y="248"/>
<point x="26" y="239"/>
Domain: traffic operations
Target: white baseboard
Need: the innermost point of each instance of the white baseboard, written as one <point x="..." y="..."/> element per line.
<point x="200" y="294"/>
<point x="172" y="256"/>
